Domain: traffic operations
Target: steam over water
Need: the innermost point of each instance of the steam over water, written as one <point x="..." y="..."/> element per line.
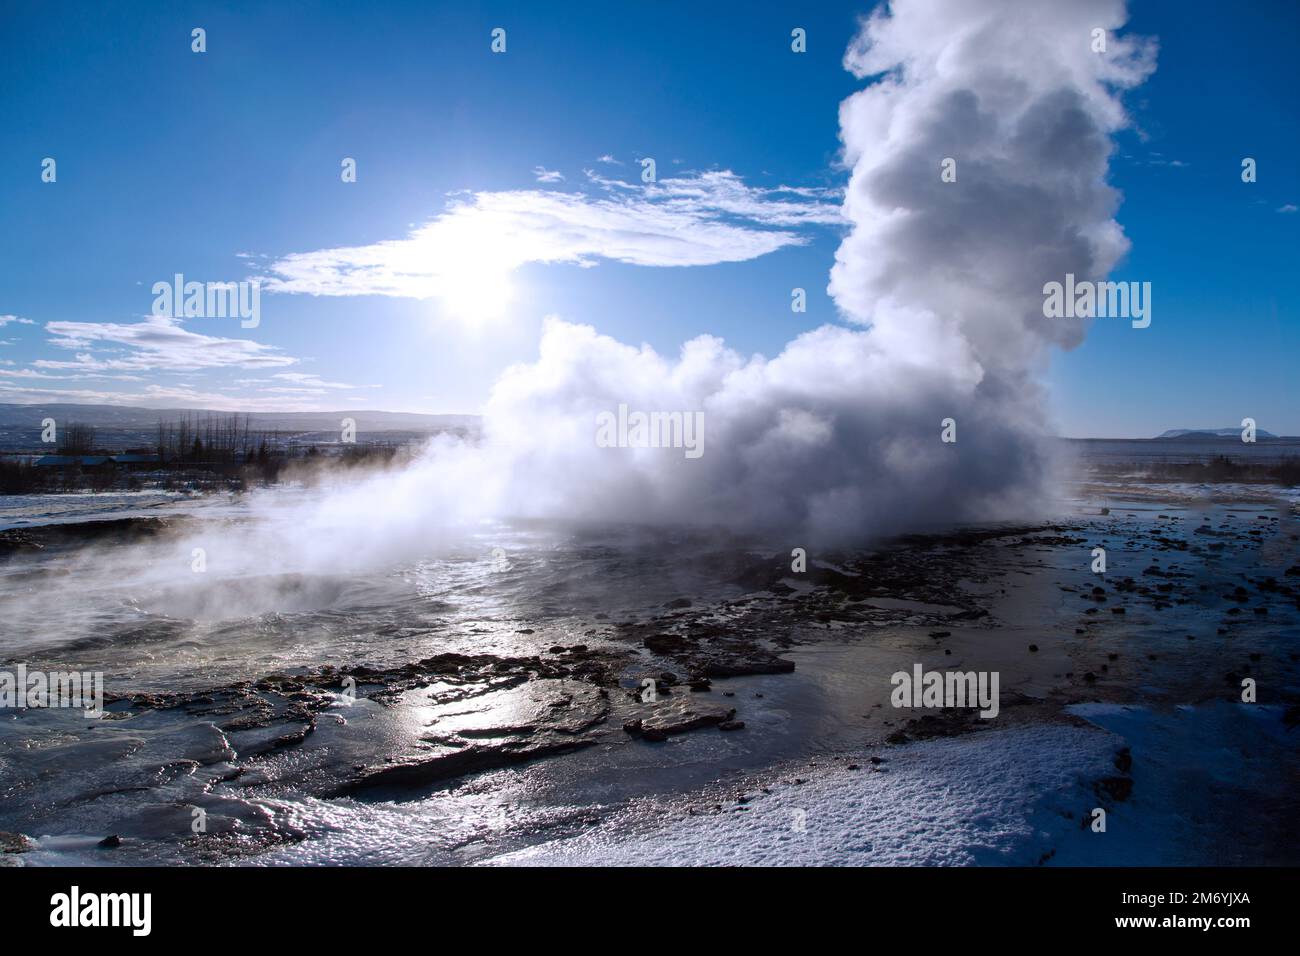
<point x="836" y="439"/>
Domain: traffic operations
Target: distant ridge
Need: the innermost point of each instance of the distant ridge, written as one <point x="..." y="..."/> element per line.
<point x="137" y="417"/>
<point x="1211" y="433"/>
<point x="121" y="427"/>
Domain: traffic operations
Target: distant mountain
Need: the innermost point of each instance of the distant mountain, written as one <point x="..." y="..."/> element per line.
<point x="1211" y="433"/>
<point x="135" y="417"/>
<point x="126" y="426"/>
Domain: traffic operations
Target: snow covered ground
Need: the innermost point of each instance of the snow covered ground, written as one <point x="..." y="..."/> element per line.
<point x="999" y="797"/>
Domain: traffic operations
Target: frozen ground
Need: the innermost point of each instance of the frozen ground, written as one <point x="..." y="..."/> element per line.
<point x="21" y="511"/>
<point x="227" y="696"/>
<point x="1003" y="797"/>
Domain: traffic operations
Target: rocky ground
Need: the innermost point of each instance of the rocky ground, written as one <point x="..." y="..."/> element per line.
<point x="1197" y="598"/>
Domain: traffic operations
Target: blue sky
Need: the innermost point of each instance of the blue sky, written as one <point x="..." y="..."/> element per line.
<point x="226" y="164"/>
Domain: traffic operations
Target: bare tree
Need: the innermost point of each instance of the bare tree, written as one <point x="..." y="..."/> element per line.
<point x="78" y="439"/>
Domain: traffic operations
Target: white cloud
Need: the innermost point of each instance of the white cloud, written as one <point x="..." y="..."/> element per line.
<point x="297" y="383"/>
<point x="34" y="374"/>
<point x="110" y="351"/>
<point x="7" y="319"/>
<point x="315" y="381"/>
<point x="1287" y="208"/>
<point x="545" y="175"/>
<point x="608" y="160"/>
<point x="158" y="343"/>
<point x="724" y="192"/>
<point x="695" y="220"/>
<point x="29" y="373"/>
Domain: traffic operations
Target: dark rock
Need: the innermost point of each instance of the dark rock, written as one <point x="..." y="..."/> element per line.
<point x="14" y="842"/>
<point x="683" y="714"/>
<point x="450" y="765"/>
<point x="1116" y="788"/>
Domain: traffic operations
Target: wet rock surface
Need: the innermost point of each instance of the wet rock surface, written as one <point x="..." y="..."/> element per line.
<point x="113" y="531"/>
<point x="543" y="718"/>
<point x="374" y="727"/>
<point x="14" y="843"/>
<point x="665" y="717"/>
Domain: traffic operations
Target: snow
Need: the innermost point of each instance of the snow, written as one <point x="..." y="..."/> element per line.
<point x="999" y="797"/>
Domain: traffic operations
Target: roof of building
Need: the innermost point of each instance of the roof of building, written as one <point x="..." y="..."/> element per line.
<point x="91" y="461"/>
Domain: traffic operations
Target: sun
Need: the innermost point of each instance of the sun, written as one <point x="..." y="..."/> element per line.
<point x="473" y="269"/>
<point x="476" y="292"/>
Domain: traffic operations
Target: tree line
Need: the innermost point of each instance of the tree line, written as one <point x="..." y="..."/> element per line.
<point x="212" y="439"/>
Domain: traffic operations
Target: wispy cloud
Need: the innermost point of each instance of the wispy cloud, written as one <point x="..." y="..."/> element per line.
<point x="1287" y="208"/>
<point x="694" y="220"/>
<point x="545" y="175"/>
<point x="298" y="383"/>
<point x="30" y="373"/>
<point x="315" y="381"/>
<point x="158" y="343"/>
<point x="7" y="319"/>
<point x="162" y="396"/>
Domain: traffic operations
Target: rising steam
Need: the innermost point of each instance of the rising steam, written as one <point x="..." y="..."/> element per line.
<point x="837" y="438"/>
